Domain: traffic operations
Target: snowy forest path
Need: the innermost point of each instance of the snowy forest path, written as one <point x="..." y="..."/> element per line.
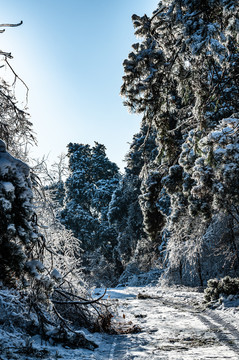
<point x="173" y="326"/>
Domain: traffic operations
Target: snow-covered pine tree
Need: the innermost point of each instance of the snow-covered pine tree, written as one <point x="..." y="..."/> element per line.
<point x="89" y="187"/>
<point x="183" y="77"/>
<point x="19" y="234"/>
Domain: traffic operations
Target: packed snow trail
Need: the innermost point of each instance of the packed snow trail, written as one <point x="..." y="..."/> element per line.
<point x="173" y="326"/>
<point x="169" y="324"/>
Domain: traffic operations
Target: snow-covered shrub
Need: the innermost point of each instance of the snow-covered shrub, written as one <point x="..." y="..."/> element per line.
<point x="14" y="312"/>
<point x="225" y="286"/>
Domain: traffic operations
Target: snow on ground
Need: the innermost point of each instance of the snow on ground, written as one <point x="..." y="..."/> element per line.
<point x="174" y="325"/>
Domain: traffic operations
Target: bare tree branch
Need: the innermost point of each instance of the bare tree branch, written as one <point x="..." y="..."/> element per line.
<point x="79" y="302"/>
<point x="67" y="293"/>
<point x="64" y="322"/>
<point x="11" y="25"/>
<point x="18" y="77"/>
<point x="6" y="54"/>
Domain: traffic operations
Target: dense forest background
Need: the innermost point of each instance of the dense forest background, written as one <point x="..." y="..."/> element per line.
<point x="175" y="209"/>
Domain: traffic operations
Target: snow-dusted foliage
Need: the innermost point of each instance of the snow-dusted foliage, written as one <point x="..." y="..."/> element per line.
<point x="62" y="254"/>
<point x="215" y="170"/>
<point x="89" y="187"/>
<point x="153" y="216"/>
<point x="19" y="233"/>
<point x="182" y="76"/>
<point x="223" y="287"/>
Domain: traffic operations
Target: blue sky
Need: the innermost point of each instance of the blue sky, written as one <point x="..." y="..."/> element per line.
<point x="70" y="54"/>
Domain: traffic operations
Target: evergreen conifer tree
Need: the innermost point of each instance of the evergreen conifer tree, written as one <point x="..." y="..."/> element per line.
<point x="89" y="187"/>
<point x="183" y="78"/>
